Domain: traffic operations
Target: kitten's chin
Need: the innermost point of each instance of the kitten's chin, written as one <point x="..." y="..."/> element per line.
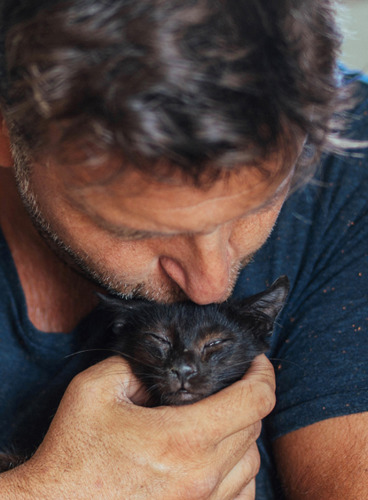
<point x="181" y="398"/>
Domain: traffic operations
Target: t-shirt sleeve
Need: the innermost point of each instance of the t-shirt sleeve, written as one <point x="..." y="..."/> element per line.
<point x="322" y="355"/>
<point x="321" y="352"/>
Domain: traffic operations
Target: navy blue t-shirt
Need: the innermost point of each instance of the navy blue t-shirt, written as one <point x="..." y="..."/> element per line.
<point x="320" y="344"/>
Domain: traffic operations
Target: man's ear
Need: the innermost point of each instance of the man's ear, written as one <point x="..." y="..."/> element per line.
<point x="6" y="158"/>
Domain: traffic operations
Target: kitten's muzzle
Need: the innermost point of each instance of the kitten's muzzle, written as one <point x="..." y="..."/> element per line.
<point x="184" y="371"/>
<point x="181" y="375"/>
<point x="184" y="381"/>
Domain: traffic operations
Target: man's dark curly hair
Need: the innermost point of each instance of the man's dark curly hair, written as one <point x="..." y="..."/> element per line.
<point x="201" y="84"/>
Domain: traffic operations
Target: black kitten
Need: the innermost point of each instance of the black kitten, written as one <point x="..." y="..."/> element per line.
<point x="185" y="352"/>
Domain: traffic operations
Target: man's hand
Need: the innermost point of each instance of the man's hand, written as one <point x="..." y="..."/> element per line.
<point x="101" y="444"/>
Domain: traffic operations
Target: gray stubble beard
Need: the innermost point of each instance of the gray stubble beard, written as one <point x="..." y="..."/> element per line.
<point x="79" y="263"/>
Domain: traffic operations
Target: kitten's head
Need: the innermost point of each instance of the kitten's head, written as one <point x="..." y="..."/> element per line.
<point x="184" y="352"/>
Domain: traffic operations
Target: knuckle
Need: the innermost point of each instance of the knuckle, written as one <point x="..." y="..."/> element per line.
<point x="256" y="462"/>
<point x="256" y="431"/>
<point x="252" y="463"/>
<point x="260" y="397"/>
<point x="202" y="488"/>
<point x="78" y="382"/>
<point x="83" y="385"/>
<point x="199" y="484"/>
<point x="249" y="492"/>
<point x="249" y="438"/>
<point x="266" y="398"/>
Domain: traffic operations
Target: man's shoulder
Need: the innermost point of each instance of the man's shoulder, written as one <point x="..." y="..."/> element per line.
<point x="357" y="118"/>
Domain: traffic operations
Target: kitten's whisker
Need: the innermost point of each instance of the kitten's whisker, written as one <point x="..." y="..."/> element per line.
<point x="244" y="364"/>
<point x="113" y="351"/>
<point x="153" y="387"/>
<point x="139" y="361"/>
<point x="91" y="350"/>
<point x="121" y="373"/>
<point x="145" y="376"/>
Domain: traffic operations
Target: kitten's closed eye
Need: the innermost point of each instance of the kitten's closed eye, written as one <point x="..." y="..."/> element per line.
<point x="184" y="352"/>
<point x="159" y="338"/>
<point x="188" y="352"/>
<point x="216" y="343"/>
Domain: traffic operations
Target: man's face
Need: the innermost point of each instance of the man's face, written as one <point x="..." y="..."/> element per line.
<point x="164" y="241"/>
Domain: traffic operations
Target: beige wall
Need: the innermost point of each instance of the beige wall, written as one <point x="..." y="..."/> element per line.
<point x="355" y="20"/>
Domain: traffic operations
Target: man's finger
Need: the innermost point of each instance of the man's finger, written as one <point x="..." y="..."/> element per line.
<point x="213" y="419"/>
<point x="240" y="479"/>
<point x="249" y="492"/>
<point x="234" y="408"/>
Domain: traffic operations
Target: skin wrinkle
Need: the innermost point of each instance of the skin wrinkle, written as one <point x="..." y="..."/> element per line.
<point x="124" y="230"/>
<point x="275" y="171"/>
<point x="188" y="262"/>
<point x="284" y="81"/>
<point x="234" y="197"/>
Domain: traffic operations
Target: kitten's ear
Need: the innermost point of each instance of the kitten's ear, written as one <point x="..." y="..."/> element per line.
<point x="272" y="300"/>
<point x="118" y="310"/>
<point x="267" y="304"/>
<point x="258" y="312"/>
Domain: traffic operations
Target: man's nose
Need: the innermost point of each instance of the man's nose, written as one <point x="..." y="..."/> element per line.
<point x="201" y="265"/>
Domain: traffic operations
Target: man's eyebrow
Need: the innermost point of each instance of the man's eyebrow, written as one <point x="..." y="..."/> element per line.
<point x="129" y="232"/>
<point x="136" y="234"/>
<point x="120" y="230"/>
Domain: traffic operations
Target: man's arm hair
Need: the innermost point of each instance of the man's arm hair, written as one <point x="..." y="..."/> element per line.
<point x="325" y="461"/>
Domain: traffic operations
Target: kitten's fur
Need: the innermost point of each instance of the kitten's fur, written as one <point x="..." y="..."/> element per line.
<point x="185" y="352"/>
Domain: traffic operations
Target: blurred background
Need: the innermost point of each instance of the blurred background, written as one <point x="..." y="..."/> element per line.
<point x="355" y="24"/>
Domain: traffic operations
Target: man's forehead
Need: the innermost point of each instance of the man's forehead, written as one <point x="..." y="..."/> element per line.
<point x="177" y="192"/>
<point x="141" y="203"/>
<point x="162" y="176"/>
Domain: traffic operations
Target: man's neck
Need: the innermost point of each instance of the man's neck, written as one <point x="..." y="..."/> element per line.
<point x="56" y="296"/>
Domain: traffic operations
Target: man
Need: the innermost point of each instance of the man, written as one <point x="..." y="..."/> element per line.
<point x="148" y="149"/>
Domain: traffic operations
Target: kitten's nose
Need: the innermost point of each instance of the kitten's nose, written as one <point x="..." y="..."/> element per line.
<point x="184" y="371"/>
